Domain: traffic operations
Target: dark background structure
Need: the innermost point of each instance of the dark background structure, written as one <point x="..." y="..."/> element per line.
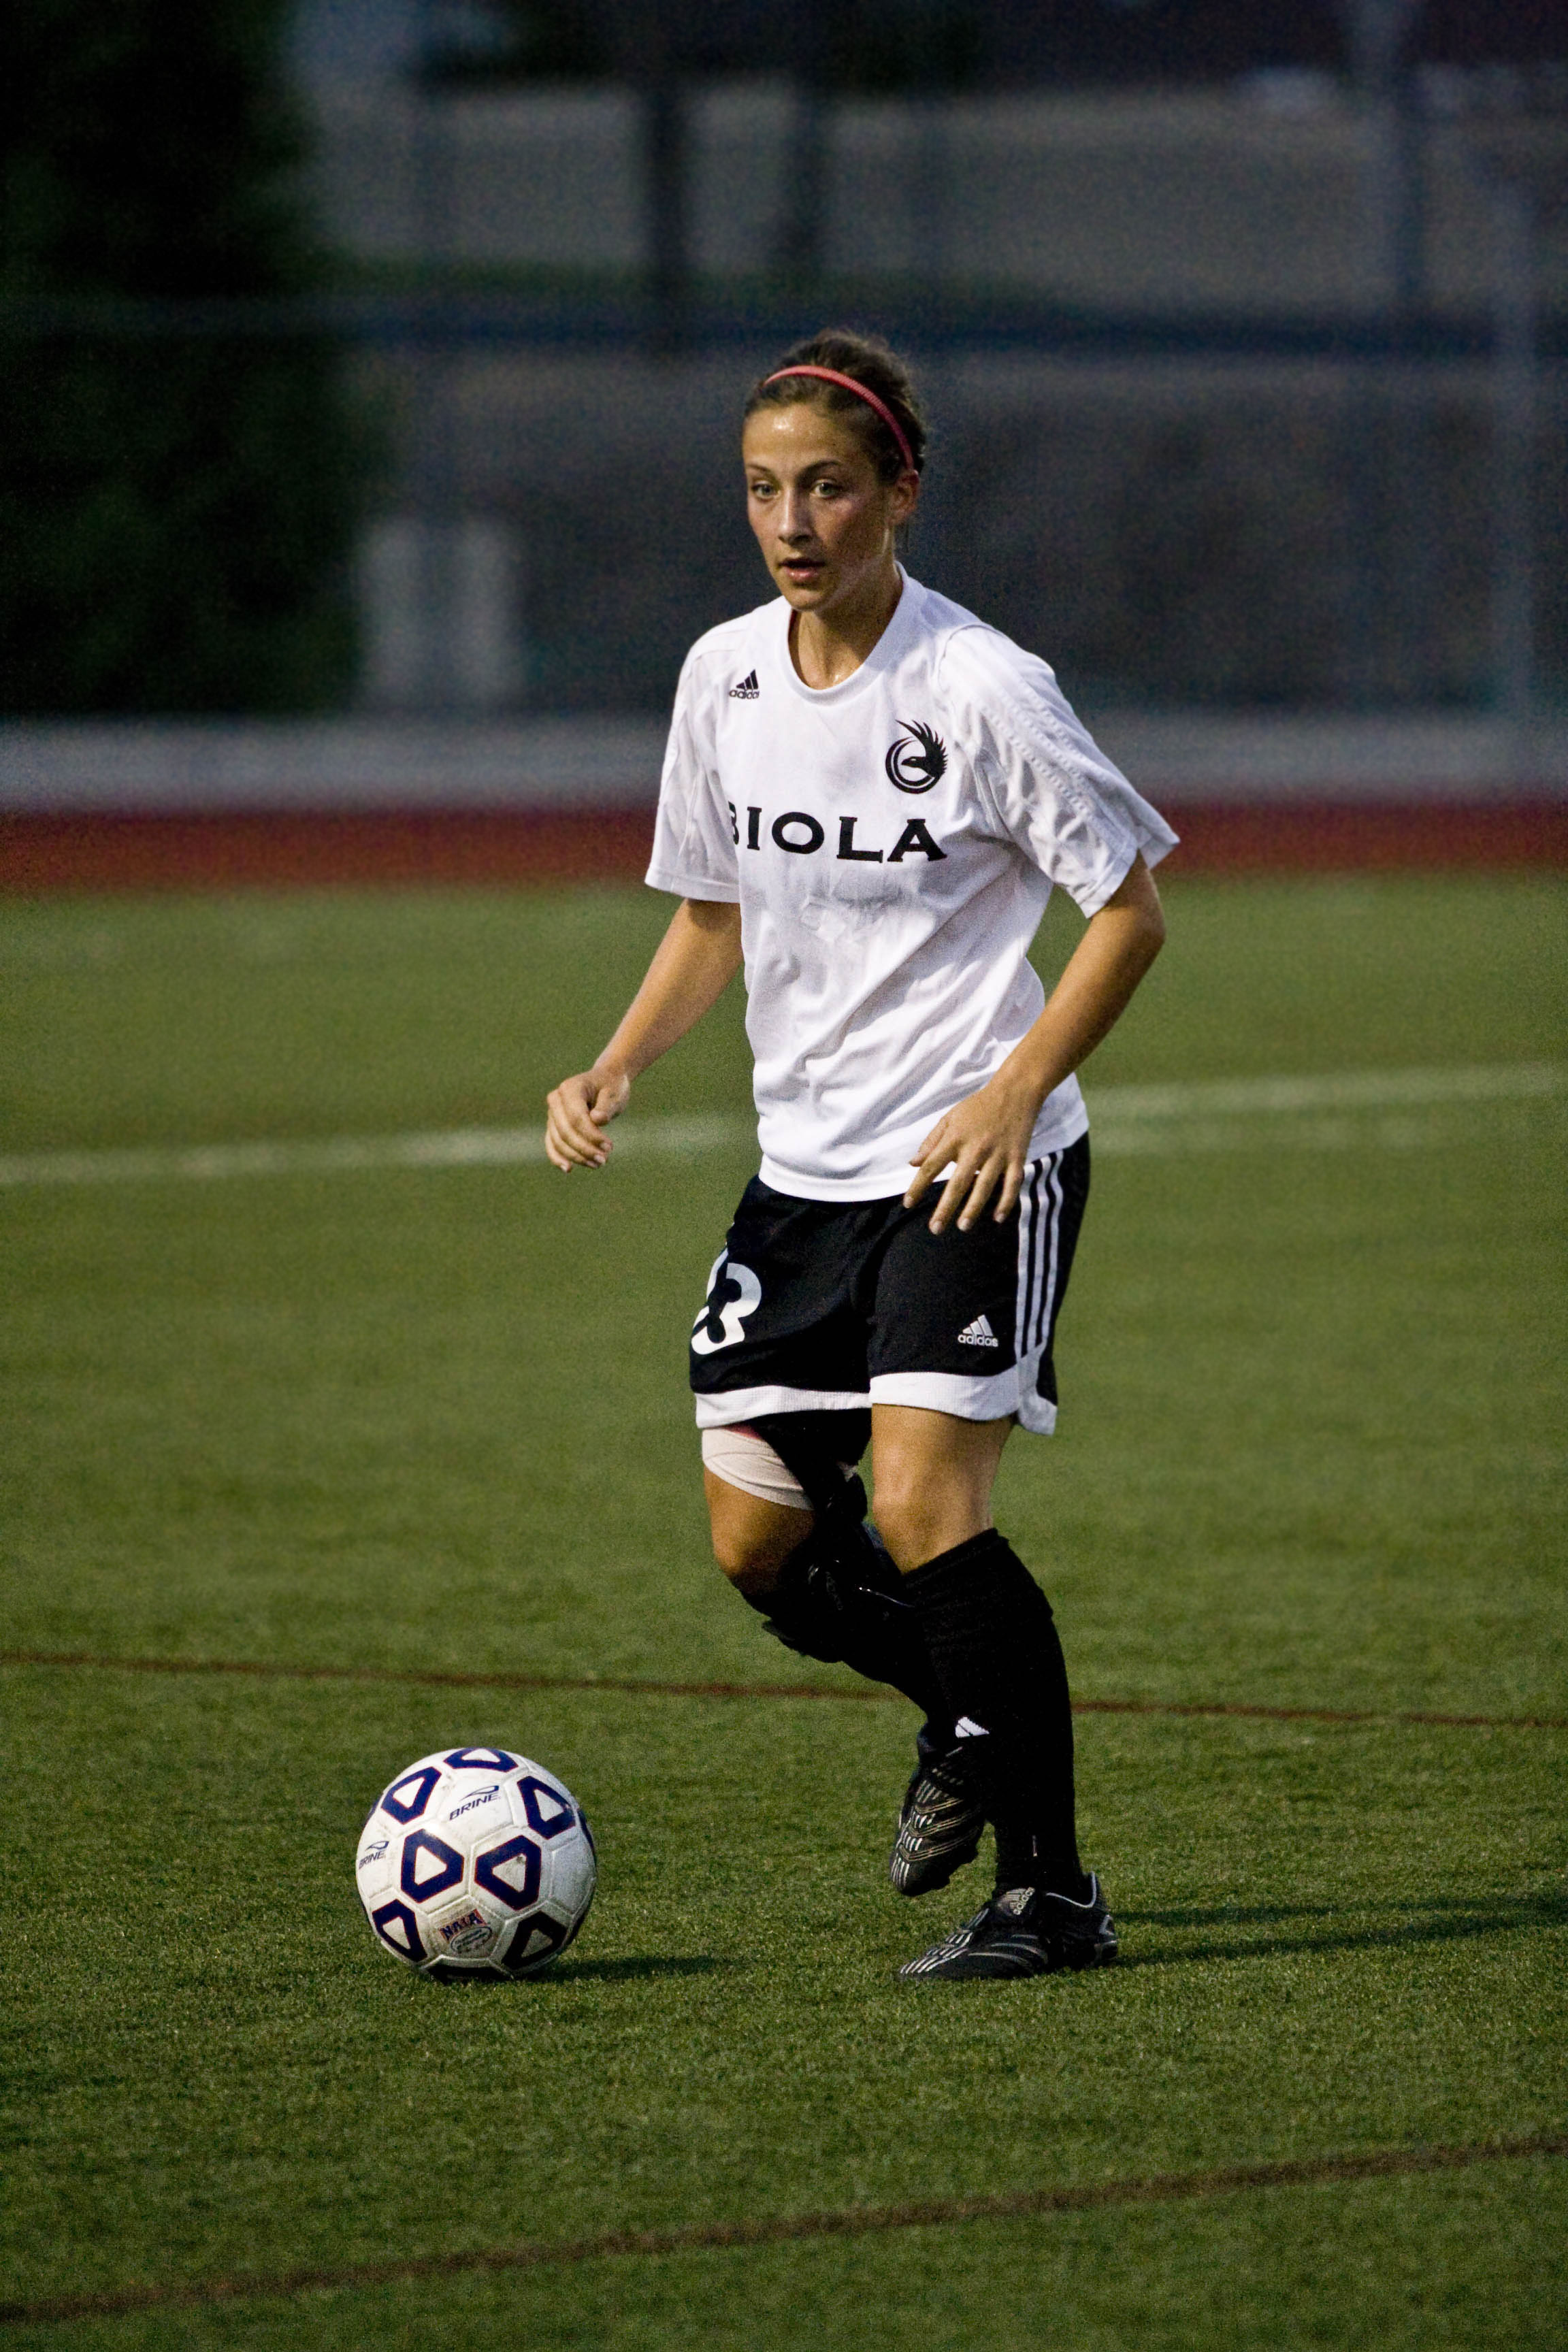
<point x="371" y="353"/>
<point x="178" y="512"/>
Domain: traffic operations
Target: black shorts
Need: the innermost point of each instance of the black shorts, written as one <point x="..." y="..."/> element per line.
<point x="831" y="1307"/>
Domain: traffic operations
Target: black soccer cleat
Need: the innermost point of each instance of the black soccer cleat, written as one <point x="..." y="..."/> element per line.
<point x="1024" y="1932"/>
<point x="942" y="1819"/>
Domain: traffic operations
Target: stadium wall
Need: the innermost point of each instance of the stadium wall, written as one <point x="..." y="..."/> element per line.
<point x="1251" y="196"/>
<point x="156" y="804"/>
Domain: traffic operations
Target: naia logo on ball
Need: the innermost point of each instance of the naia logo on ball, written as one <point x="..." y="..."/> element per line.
<point x="917" y="759"/>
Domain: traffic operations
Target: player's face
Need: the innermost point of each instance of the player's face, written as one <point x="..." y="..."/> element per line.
<point x="823" y="516"/>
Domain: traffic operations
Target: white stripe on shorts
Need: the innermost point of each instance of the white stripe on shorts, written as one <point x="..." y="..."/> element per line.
<point x="1028" y="1239"/>
<point x="1039" y="1239"/>
<point x="1045" y="1311"/>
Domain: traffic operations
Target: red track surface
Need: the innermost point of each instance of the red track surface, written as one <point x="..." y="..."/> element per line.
<point x="201" y="852"/>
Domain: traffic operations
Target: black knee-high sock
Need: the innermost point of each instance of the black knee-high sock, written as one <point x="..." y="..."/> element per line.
<point x="840" y="1599"/>
<point x="994" y="1646"/>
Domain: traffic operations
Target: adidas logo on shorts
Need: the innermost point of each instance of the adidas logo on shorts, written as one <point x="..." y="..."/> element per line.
<point x="747" y="691"/>
<point x="978" y="1334"/>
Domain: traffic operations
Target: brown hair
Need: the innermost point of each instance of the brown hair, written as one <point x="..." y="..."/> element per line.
<point x="870" y="362"/>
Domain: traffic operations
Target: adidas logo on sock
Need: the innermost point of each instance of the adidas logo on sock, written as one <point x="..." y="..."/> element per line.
<point x="978" y="1334"/>
<point x="747" y="691"/>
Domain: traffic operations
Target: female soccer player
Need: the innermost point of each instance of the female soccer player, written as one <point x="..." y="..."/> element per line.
<point x="866" y="798"/>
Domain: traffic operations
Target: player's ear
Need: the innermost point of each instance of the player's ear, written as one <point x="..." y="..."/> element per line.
<point x="903" y="497"/>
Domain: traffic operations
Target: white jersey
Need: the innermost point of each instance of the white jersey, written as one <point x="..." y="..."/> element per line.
<point x="891" y="842"/>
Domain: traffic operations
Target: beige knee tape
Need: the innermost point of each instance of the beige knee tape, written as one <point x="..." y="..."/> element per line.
<point x="741" y="1458"/>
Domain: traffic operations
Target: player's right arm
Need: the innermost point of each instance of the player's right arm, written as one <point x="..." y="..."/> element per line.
<point x="693" y="964"/>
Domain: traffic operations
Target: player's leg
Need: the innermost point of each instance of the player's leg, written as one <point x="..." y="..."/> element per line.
<point x="994" y="1643"/>
<point x="754" y="1533"/>
<point x="992" y="1640"/>
<point x="932" y="1474"/>
<point x="990" y="1630"/>
<point x="938" y="1427"/>
<point x="792" y="1538"/>
<point x="778" y="1367"/>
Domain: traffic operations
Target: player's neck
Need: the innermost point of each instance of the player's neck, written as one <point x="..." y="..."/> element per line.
<point x="826" y="647"/>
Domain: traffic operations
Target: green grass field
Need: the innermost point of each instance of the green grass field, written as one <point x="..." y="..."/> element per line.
<point x="434" y="1419"/>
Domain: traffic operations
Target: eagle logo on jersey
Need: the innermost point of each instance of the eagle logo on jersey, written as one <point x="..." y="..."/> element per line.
<point x="917" y="759"/>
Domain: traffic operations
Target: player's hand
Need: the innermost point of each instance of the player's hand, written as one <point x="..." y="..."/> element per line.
<point x="577" y="1113"/>
<point x="987" y="1140"/>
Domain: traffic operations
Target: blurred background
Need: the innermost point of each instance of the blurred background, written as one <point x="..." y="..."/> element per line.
<point x="372" y="370"/>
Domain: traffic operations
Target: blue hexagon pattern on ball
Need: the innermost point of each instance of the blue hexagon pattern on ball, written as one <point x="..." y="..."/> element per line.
<point x="476" y="1861"/>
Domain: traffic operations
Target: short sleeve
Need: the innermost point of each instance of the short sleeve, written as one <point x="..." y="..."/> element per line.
<point x="1053" y="790"/>
<point x="693" y="841"/>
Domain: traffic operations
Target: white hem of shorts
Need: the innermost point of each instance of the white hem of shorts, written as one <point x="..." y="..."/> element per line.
<point x="719" y="1409"/>
<point x="969" y="1398"/>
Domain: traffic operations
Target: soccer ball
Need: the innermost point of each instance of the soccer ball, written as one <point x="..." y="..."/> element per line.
<point x="476" y="1861"/>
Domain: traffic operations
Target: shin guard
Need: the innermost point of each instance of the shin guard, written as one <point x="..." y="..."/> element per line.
<point x="839" y="1597"/>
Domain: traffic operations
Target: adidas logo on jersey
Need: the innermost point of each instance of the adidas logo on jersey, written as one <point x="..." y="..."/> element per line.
<point x="978" y="1334"/>
<point x="747" y="691"/>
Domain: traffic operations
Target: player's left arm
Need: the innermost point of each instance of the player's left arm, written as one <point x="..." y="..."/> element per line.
<point x="986" y="1138"/>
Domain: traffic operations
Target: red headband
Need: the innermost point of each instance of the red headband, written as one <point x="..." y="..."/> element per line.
<point x="831" y="375"/>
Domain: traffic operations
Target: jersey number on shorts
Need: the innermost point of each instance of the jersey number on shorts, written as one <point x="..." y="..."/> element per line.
<point x="730" y="1312"/>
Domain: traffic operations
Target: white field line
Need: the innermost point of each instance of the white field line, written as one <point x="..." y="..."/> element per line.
<point x="1218" y="1114"/>
<point x="1346" y="1090"/>
<point x="462" y="1147"/>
